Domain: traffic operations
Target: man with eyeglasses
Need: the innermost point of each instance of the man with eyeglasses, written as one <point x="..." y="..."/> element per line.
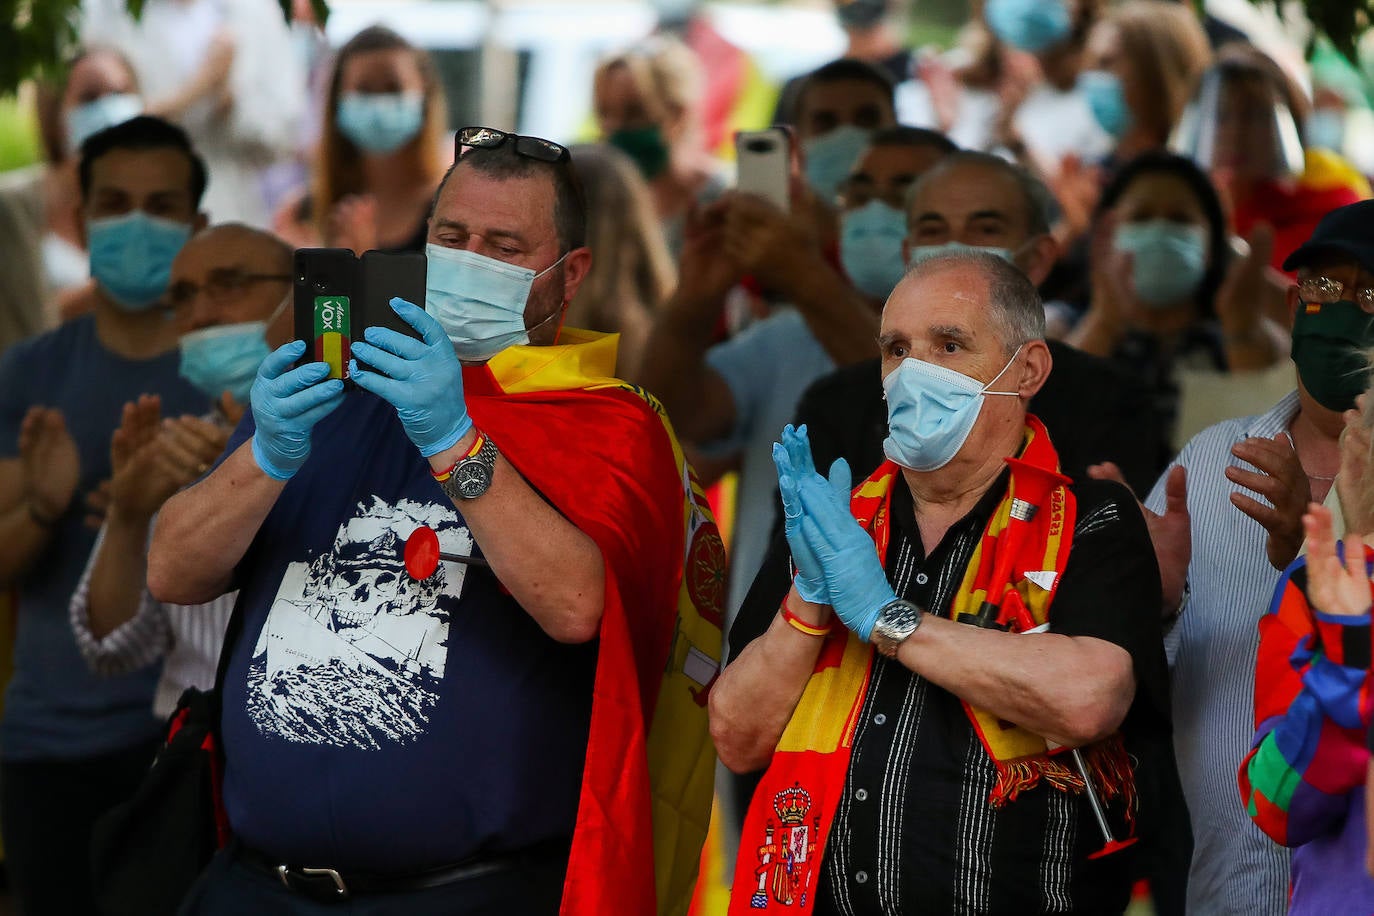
<point x="467" y="627"/>
<point x="1223" y="539"/>
<point x="230" y="286"/>
<point x="72" y="743"/>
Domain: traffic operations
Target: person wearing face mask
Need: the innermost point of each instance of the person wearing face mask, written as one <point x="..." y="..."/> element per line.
<point x="647" y="102"/>
<point x="230" y="287"/>
<point x="1226" y="520"/>
<point x="489" y="530"/>
<point x="1170" y="299"/>
<point x="380" y="152"/>
<point x="729" y="399"/>
<point x="837" y="108"/>
<point x="970" y="201"/>
<point x="74" y="744"/>
<point x="970" y="615"/>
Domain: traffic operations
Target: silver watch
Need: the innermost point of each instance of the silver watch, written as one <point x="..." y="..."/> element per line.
<point x="471" y="477"/>
<point x="896" y="621"/>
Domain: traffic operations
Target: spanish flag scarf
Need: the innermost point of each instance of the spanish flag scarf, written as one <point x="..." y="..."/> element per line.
<point x="602" y="452"/>
<point x="1011" y="579"/>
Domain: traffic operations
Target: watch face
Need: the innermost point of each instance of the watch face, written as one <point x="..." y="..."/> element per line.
<point x="900" y="616"/>
<point x="471" y="479"/>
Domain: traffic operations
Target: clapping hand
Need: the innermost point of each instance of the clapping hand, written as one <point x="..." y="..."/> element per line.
<point x="422" y="379"/>
<point x="792" y="457"/>
<point x="845" y="554"/>
<point x="1171" y="534"/>
<point x="1282" y="481"/>
<point x="50" y="461"/>
<point x="1334" y="587"/>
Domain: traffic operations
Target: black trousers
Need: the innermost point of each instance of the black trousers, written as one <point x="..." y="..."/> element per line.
<point x="47" y="808"/>
<point x="230" y="888"/>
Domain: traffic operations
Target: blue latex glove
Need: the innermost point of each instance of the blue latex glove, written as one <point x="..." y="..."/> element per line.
<point x="287" y="403"/>
<point x="792" y="458"/>
<point x="422" y="379"/>
<point x="849" y="560"/>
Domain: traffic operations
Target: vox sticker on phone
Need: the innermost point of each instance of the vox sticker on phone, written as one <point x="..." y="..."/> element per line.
<point x="331" y="333"/>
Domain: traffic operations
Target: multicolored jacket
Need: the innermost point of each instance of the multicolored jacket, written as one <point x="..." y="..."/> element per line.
<point x="1303" y="781"/>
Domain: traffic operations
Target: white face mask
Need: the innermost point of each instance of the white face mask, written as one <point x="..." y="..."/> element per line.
<point x="479" y="301"/>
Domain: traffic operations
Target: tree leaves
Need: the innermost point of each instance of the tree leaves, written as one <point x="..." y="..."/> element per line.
<point x="36" y="36"/>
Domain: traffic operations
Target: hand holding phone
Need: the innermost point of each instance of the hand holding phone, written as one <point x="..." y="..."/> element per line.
<point x="764" y="163"/>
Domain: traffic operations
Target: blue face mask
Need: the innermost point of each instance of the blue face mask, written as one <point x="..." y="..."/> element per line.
<point x="381" y="123"/>
<point x="1106" y="100"/>
<point x="923" y="253"/>
<point x="479" y="301"/>
<point x="1168" y="259"/>
<point x="931" y="411"/>
<point x="224" y="358"/>
<point x="830" y="157"/>
<point x="87" y="120"/>
<point x="871" y="247"/>
<point x="1031" y="25"/>
<point x="131" y="256"/>
<point x="1326" y="129"/>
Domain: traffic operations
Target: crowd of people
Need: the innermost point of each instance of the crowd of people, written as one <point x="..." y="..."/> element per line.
<point x="1035" y="419"/>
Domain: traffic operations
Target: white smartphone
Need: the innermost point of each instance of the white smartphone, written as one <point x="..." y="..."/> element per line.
<point x="764" y="161"/>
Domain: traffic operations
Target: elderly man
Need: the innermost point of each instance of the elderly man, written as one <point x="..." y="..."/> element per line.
<point x="230" y="285"/>
<point x="931" y="775"/>
<point x="1094" y="411"/>
<point x="478" y="554"/>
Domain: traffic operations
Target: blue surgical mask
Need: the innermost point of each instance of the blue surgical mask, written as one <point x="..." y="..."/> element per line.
<point x="1168" y="259"/>
<point x="86" y="120"/>
<point x="1325" y="129"/>
<point x="224" y="358"/>
<point x="479" y="301"/>
<point x="931" y="411"/>
<point x="871" y="247"/>
<point x="1106" y="100"/>
<point x="132" y="254"/>
<point x="831" y="156"/>
<point x="922" y="253"/>
<point x="1031" y="25"/>
<point x="381" y="123"/>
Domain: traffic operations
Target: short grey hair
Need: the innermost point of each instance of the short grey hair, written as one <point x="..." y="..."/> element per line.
<point x="1042" y="210"/>
<point x="1017" y="311"/>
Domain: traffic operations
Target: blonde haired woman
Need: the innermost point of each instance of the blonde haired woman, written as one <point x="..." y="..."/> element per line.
<point x="646" y="102"/>
<point x="632" y="273"/>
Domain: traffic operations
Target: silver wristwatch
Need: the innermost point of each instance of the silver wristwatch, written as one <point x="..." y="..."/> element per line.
<point x="896" y="621"/>
<point x="471" y="477"/>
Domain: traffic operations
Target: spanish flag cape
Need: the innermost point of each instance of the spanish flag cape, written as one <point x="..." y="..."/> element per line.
<point x="602" y="452"/>
<point x="1016" y="567"/>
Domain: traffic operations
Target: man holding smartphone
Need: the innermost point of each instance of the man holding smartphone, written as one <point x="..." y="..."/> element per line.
<point x="563" y="510"/>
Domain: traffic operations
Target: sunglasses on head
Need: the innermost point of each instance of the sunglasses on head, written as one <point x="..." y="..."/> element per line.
<point x="490" y="138"/>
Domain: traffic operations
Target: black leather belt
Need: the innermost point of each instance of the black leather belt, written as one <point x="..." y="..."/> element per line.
<point x="330" y="885"/>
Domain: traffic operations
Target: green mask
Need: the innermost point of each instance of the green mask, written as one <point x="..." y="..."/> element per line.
<point x="1329" y="344"/>
<point x="645" y="146"/>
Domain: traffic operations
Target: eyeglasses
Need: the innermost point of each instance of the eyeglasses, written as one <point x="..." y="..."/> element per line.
<point x="490" y="138"/>
<point x="1326" y="290"/>
<point x="222" y="283"/>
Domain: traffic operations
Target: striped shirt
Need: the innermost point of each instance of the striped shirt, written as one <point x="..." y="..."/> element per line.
<point x="1236" y="868"/>
<point x="914" y="831"/>
<point x="187" y="637"/>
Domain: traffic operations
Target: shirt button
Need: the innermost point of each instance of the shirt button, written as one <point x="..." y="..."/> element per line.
<point x="922" y="578"/>
<point x="880" y="718"/>
<point x="861" y="877"/>
<point x="861" y="795"/>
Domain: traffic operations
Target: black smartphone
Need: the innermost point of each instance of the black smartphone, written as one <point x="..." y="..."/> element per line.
<point x="386" y="275"/>
<point x="326" y="300"/>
